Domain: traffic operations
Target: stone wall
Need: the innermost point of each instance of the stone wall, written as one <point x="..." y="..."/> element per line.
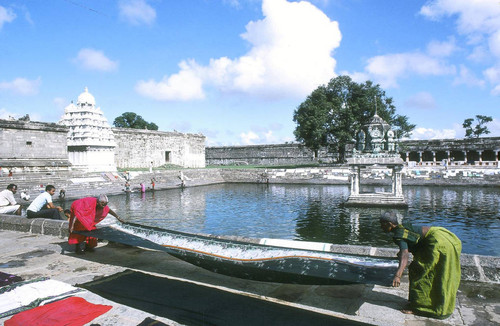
<point x="484" y="143"/>
<point x="463" y="150"/>
<point x="137" y="148"/>
<point x="29" y="144"/>
<point x="279" y="154"/>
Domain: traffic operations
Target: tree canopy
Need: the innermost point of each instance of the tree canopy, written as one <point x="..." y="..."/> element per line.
<point x="134" y="121"/>
<point x="477" y="130"/>
<point x="333" y="113"/>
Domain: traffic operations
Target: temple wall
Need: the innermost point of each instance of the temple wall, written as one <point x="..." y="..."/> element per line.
<point x="32" y="144"/>
<point x="138" y="148"/>
<point x="278" y="154"/>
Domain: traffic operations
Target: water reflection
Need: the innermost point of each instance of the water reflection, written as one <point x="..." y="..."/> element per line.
<point x="314" y="213"/>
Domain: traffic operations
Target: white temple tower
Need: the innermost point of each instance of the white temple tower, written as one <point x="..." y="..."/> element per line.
<point x="91" y="144"/>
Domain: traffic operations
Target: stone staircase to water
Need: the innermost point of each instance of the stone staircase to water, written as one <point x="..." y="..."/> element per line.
<point x="79" y="184"/>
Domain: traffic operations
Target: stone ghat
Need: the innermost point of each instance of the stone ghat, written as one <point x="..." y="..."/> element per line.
<point x="474" y="267"/>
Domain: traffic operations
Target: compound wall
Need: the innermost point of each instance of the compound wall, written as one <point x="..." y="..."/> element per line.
<point x="136" y="148"/>
<point x="32" y="144"/>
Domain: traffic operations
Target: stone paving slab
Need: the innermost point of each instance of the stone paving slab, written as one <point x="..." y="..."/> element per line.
<point x="34" y="255"/>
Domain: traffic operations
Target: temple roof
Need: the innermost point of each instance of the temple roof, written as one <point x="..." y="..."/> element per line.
<point x="86" y="97"/>
<point x="376" y="120"/>
<point x="87" y="124"/>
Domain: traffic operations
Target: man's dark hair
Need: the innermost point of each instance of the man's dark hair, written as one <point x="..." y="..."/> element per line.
<point x="11" y="186"/>
<point x="49" y="187"/>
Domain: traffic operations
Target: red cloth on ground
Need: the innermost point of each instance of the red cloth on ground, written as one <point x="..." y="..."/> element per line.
<point x="73" y="311"/>
<point x="87" y="215"/>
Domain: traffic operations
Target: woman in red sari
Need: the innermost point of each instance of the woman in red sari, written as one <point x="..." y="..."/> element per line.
<point x="85" y="214"/>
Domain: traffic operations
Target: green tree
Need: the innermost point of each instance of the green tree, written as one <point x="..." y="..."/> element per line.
<point x="333" y="113"/>
<point x="134" y="121"/>
<point x="477" y="130"/>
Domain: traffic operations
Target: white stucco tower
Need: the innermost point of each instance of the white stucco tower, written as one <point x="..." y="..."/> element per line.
<point x="91" y="144"/>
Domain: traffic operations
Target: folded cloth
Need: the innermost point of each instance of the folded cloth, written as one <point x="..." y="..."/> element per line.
<point x="6" y="279"/>
<point x="73" y="311"/>
<point x="29" y="294"/>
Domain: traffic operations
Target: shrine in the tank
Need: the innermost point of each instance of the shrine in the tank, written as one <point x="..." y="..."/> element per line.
<point x="376" y="146"/>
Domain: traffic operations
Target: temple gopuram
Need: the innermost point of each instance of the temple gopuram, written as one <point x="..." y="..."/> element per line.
<point x="90" y="140"/>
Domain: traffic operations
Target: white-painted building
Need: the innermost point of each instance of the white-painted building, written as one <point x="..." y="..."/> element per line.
<point x="91" y="143"/>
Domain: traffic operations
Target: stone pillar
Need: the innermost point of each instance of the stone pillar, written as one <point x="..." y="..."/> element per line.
<point x="420" y="158"/>
<point x="398" y="177"/>
<point x="433" y="158"/>
<point x="407" y="157"/>
<point x="465" y="157"/>
<point x="355" y="176"/>
<point x="496" y="157"/>
<point x="480" y="156"/>
<point x="354" y="180"/>
<point x="448" y="157"/>
<point x="393" y="190"/>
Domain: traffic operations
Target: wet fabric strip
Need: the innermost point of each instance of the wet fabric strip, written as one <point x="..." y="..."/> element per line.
<point x="255" y="261"/>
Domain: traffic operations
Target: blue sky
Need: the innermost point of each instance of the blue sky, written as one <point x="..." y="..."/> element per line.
<point x="235" y="70"/>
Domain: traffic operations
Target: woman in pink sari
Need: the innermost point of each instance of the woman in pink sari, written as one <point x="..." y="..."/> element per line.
<point x="85" y="214"/>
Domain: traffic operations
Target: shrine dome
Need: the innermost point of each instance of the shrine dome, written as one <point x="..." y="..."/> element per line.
<point x="86" y="97"/>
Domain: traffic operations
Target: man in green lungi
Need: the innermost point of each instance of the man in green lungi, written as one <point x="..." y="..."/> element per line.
<point x="434" y="272"/>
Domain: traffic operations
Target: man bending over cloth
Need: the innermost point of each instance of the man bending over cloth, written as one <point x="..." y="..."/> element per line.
<point x="85" y="214"/>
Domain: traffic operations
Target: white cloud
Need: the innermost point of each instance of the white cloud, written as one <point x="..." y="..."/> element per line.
<point x="422" y="100"/>
<point x="494" y="43"/>
<point x="137" y="12"/>
<point x="474" y="16"/>
<point x="6" y="16"/>
<point x="479" y="53"/>
<point x="442" y="49"/>
<point x="493" y="76"/>
<point x="248" y="138"/>
<point x="387" y="69"/>
<point x="479" y="20"/>
<point x="428" y="133"/>
<point x="232" y="3"/>
<point x="182" y="86"/>
<point x="467" y="77"/>
<point x="290" y="55"/>
<point x="91" y="59"/>
<point x="496" y="91"/>
<point x="22" y="86"/>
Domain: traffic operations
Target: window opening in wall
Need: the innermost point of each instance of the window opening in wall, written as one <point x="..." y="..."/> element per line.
<point x="167" y="156"/>
<point x="28" y="143"/>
